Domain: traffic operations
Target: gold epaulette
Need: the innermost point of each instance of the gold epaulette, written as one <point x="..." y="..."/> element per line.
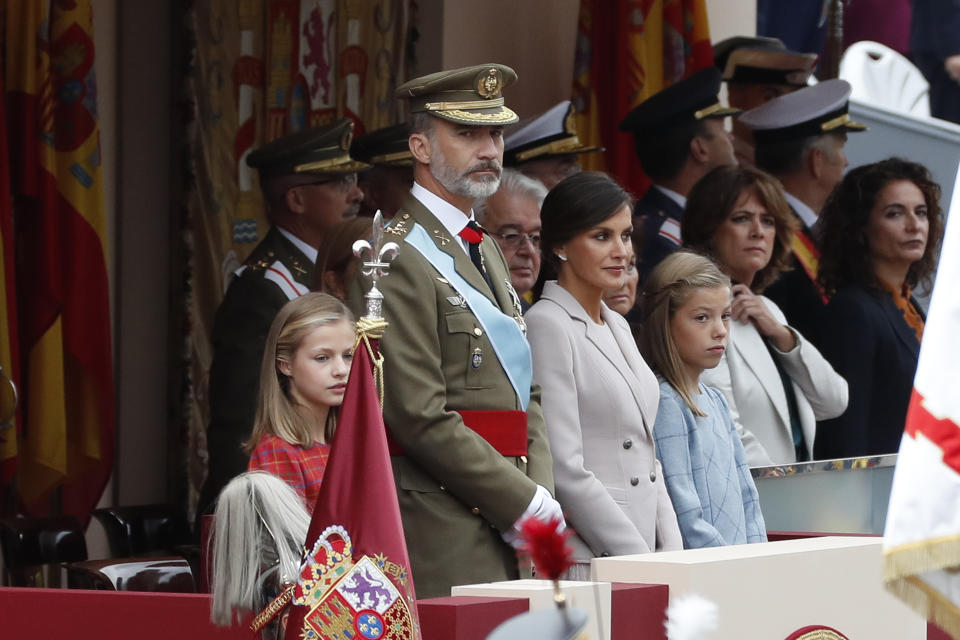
<point x="262" y="263"/>
<point x="400" y="226"/>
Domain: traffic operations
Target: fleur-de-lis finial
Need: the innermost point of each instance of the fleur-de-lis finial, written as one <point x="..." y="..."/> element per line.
<point x="375" y="264"/>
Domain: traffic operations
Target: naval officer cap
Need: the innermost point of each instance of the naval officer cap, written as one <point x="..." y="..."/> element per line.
<point x="812" y="111"/>
<point x="320" y="150"/>
<point x="560" y="623"/>
<point x="684" y="102"/>
<point x="552" y="133"/>
<point x="760" y="60"/>
<point x="388" y="147"/>
<point x="470" y="95"/>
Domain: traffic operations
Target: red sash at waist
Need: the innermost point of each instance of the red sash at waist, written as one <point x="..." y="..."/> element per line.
<point x="506" y="431"/>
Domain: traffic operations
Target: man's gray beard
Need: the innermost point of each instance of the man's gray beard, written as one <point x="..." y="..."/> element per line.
<point x="462" y="184"/>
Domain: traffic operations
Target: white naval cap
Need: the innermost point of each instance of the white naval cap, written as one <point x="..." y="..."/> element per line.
<point x="552" y="133"/>
<point x="811" y="111"/>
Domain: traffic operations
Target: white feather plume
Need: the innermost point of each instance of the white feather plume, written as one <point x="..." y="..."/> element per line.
<point x="691" y="617"/>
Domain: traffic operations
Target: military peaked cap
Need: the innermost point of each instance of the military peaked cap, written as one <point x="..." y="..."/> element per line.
<point x="384" y="147"/>
<point x="552" y="133"/>
<point x="759" y="60"/>
<point x="683" y="102"/>
<point x="470" y="95"/>
<point x="317" y="150"/>
<point x="811" y="111"/>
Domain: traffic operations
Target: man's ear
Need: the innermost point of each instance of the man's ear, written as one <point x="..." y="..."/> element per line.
<point x="293" y="198"/>
<point x="420" y="147"/>
<point x="698" y="150"/>
<point x="815" y="161"/>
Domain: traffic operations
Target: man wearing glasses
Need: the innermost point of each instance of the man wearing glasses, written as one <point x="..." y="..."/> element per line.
<point x="512" y="217"/>
<point x="309" y="184"/>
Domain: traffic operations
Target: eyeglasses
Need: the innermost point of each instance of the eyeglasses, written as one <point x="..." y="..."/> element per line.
<point x="514" y="239"/>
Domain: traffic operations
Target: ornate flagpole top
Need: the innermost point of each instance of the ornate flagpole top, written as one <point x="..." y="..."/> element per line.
<point x="376" y="260"/>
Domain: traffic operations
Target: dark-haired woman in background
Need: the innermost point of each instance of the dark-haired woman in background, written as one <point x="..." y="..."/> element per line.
<point x="880" y="236"/>
<point x="776" y="383"/>
<point x="599" y="396"/>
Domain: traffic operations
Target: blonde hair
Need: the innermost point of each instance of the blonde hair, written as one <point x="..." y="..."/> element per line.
<point x="277" y="412"/>
<point x="260" y="526"/>
<point x="667" y="289"/>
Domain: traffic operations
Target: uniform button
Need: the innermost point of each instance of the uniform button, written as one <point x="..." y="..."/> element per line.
<point x="634" y="480"/>
<point x="653" y="476"/>
<point x="442" y="488"/>
<point x="477" y="331"/>
<point x="627" y="443"/>
<point x="523" y="459"/>
<point x="605" y="554"/>
<point x="475" y="511"/>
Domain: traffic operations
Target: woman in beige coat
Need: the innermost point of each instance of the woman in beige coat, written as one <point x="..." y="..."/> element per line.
<point x="599" y="396"/>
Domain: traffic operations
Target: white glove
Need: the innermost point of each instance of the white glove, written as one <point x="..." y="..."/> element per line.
<point x="543" y="507"/>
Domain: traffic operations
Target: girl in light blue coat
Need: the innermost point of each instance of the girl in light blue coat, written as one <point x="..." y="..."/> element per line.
<point x="686" y="310"/>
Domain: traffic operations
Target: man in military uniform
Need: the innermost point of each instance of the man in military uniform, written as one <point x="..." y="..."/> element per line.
<point x="387" y="184"/>
<point x="800" y="140"/>
<point x="309" y="184"/>
<point x="546" y="147"/>
<point x="679" y="137"/>
<point x="470" y="454"/>
<point x="757" y="70"/>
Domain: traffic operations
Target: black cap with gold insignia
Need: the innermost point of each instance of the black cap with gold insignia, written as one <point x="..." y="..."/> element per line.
<point x="384" y="147"/>
<point x="317" y="150"/>
<point x="811" y="111"/>
<point x="552" y="133"/>
<point x="760" y="60"/>
<point x="470" y="95"/>
<point x="686" y="101"/>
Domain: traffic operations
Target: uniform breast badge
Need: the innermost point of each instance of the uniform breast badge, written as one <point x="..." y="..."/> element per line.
<point x="477" y="360"/>
<point x="348" y="599"/>
<point x="457" y="301"/>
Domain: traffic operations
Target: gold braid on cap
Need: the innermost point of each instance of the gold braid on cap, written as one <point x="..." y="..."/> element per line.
<point x="372" y="329"/>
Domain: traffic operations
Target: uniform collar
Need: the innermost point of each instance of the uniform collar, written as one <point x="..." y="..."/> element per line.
<point x="673" y="195"/>
<point x="807" y="215"/>
<point x="309" y="251"/>
<point x="452" y="218"/>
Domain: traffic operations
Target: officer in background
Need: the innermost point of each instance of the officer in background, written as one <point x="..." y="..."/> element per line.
<point x="800" y="139"/>
<point x="679" y="137"/>
<point x="756" y="71"/>
<point x="512" y="217"/>
<point x="546" y="147"/>
<point x="387" y="184"/>
<point x="309" y="183"/>
<point x="470" y="454"/>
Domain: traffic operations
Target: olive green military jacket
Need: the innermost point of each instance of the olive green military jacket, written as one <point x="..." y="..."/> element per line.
<point x="275" y="272"/>
<point x="456" y="493"/>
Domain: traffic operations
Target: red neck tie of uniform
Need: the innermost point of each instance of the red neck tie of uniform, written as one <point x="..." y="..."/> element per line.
<point x="473" y="234"/>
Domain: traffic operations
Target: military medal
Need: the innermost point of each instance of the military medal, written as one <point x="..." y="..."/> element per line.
<point x="477" y="359"/>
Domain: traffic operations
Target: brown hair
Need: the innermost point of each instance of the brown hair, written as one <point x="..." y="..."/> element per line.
<point x="335" y="253"/>
<point x="713" y="198"/>
<point x="845" y="256"/>
<point x="666" y="290"/>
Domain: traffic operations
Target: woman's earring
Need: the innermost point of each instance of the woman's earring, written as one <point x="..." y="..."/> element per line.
<point x="562" y="258"/>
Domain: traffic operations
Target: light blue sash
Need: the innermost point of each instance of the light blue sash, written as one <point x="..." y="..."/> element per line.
<point x="509" y="343"/>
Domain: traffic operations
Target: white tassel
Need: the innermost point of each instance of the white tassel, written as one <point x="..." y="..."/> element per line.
<point x="691" y="617"/>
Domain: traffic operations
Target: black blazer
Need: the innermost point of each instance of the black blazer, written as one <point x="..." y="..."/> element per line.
<point x="651" y="211"/>
<point x="868" y="341"/>
<point x="798" y="297"/>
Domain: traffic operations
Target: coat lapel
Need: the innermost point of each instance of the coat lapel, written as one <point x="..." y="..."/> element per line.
<point x="899" y="325"/>
<point x="750" y="346"/>
<point x="592" y="331"/>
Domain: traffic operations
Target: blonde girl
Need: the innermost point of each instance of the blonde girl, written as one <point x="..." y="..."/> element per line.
<point x="686" y="311"/>
<point x="303" y="377"/>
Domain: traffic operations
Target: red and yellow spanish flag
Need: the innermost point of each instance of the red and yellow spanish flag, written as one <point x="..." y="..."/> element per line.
<point x="654" y="44"/>
<point x="921" y="540"/>
<point x="62" y="285"/>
